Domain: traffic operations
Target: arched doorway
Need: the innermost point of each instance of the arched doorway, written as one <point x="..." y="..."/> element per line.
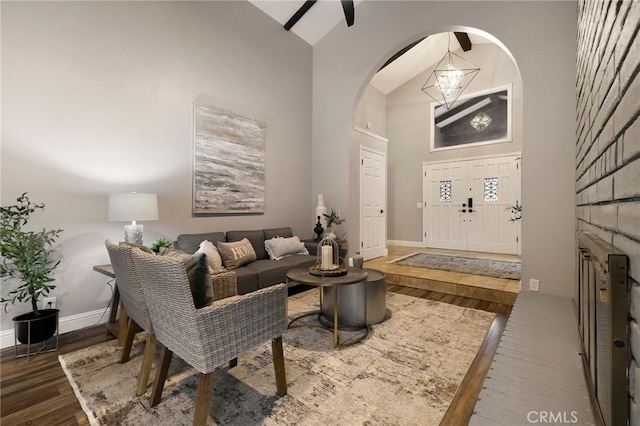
<point x="393" y="107"/>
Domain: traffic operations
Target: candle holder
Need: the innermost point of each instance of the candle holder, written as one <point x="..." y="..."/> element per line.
<point x="328" y="260"/>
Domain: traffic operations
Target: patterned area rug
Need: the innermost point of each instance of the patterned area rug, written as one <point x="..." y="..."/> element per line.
<point x="464" y="265"/>
<point x="405" y="372"/>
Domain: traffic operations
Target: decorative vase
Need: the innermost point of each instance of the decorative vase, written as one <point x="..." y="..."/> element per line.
<point x="321" y="210"/>
<point x="318" y="230"/>
<point x="328" y="233"/>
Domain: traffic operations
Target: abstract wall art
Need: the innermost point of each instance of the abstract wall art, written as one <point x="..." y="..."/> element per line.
<point x="229" y="162"/>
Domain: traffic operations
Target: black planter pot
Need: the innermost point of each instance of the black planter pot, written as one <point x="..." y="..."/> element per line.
<point x="43" y="325"/>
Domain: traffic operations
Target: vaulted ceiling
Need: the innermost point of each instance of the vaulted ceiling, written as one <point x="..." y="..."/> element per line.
<point x="311" y="20"/>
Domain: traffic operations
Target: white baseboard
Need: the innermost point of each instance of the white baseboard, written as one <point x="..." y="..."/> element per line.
<point x="405" y="243"/>
<point x="65" y="325"/>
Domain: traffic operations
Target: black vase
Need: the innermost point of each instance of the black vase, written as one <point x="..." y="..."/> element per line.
<point x="43" y="325"/>
<point x="318" y="229"/>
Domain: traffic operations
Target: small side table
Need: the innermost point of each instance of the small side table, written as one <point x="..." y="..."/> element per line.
<point x="118" y="330"/>
<point x="353" y="276"/>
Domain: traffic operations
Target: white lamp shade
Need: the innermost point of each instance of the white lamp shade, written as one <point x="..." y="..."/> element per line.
<point x="133" y="206"/>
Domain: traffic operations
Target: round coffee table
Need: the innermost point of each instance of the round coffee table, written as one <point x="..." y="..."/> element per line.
<point x="353" y="276"/>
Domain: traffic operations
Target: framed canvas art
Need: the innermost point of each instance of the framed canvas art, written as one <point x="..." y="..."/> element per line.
<point x="476" y="119"/>
<point x="228" y="162"/>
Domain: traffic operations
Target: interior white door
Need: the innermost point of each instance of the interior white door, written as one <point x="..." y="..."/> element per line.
<point x="466" y="204"/>
<point x="444" y="193"/>
<point x="373" y="176"/>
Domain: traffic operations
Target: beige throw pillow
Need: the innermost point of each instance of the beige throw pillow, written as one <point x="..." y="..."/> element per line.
<point x="214" y="260"/>
<point x="237" y="253"/>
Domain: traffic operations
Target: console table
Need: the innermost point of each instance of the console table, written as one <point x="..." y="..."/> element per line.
<point x="118" y="330"/>
<point x="354" y="276"/>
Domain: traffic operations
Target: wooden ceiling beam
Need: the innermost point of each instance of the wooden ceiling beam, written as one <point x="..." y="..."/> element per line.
<point x="463" y="39"/>
<point x="299" y="14"/>
<point x="349" y="13"/>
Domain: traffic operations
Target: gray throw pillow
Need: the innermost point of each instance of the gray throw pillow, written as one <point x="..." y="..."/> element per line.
<point x="198" y="274"/>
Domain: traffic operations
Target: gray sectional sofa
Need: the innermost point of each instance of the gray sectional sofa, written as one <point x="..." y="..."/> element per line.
<point x="263" y="272"/>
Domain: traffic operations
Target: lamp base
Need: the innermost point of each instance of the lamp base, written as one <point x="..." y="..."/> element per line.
<point x="133" y="234"/>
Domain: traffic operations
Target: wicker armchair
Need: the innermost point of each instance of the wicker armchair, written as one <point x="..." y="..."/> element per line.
<point x="133" y="300"/>
<point x="208" y="337"/>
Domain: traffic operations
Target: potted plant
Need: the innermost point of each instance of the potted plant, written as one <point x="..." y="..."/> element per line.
<point x="516" y="212"/>
<point x="162" y="242"/>
<point x="332" y="218"/>
<point x="25" y="260"/>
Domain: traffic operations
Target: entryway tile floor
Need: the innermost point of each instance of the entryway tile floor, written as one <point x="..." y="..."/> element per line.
<point x="490" y="289"/>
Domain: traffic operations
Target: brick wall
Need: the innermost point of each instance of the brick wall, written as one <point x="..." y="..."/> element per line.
<point x="608" y="139"/>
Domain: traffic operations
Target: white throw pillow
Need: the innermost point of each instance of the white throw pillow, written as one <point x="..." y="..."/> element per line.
<point x="214" y="260"/>
<point x="281" y="247"/>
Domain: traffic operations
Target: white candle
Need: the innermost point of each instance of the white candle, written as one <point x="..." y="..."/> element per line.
<point x="327" y="257"/>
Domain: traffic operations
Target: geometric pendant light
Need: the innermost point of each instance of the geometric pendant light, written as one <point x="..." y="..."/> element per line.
<point x="480" y="121"/>
<point x="449" y="78"/>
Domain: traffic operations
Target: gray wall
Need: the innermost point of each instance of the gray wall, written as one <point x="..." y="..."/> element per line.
<point x="408" y="117"/>
<point x="608" y="142"/>
<point x="97" y="98"/>
<point x="541" y="37"/>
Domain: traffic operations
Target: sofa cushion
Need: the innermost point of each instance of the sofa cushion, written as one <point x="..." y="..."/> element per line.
<point x="270" y="272"/>
<point x="277" y="232"/>
<point x="198" y="274"/>
<point x="247" y="280"/>
<point x="299" y="261"/>
<point x="190" y="243"/>
<point x="237" y="253"/>
<point x="280" y="247"/>
<point x="214" y="260"/>
<point x="255" y="237"/>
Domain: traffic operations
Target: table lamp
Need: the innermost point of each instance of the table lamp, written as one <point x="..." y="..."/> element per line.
<point x="133" y="206"/>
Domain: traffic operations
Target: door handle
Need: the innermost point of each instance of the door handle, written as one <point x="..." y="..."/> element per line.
<point x="381" y="211"/>
<point x="470" y="202"/>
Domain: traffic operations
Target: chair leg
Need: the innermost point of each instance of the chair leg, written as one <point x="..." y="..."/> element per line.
<point x="278" y="364"/>
<point x="233" y="362"/>
<point x="147" y="363"/>
<point x="205" y="389"/>
<point x="161" y="376"/>
<point x="128" y="341"/>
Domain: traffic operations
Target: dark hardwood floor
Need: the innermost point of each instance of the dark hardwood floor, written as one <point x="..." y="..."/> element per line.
<point x="37" y="392"/>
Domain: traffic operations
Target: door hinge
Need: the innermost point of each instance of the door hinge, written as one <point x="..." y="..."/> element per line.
<point x="362" y="161"/>
<point x="361" y="243"/>
<point x="517" y="239"/>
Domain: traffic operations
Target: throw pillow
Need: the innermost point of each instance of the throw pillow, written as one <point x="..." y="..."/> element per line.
<point x="213" y="255"/>
<point x="140" y="246"/>
<point x="237" y="253"/>
<point x="198" y="274"/>
<point x="282" y="247"/>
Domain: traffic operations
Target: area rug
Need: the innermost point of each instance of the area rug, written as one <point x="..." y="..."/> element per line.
<point x="464" y="265"/>
<point x="405" y="372"/>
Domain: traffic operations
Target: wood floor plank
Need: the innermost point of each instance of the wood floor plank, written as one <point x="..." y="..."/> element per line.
<point x="36" y="392"/>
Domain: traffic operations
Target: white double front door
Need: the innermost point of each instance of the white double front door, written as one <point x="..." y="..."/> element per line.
<point x="467" y="204"/>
